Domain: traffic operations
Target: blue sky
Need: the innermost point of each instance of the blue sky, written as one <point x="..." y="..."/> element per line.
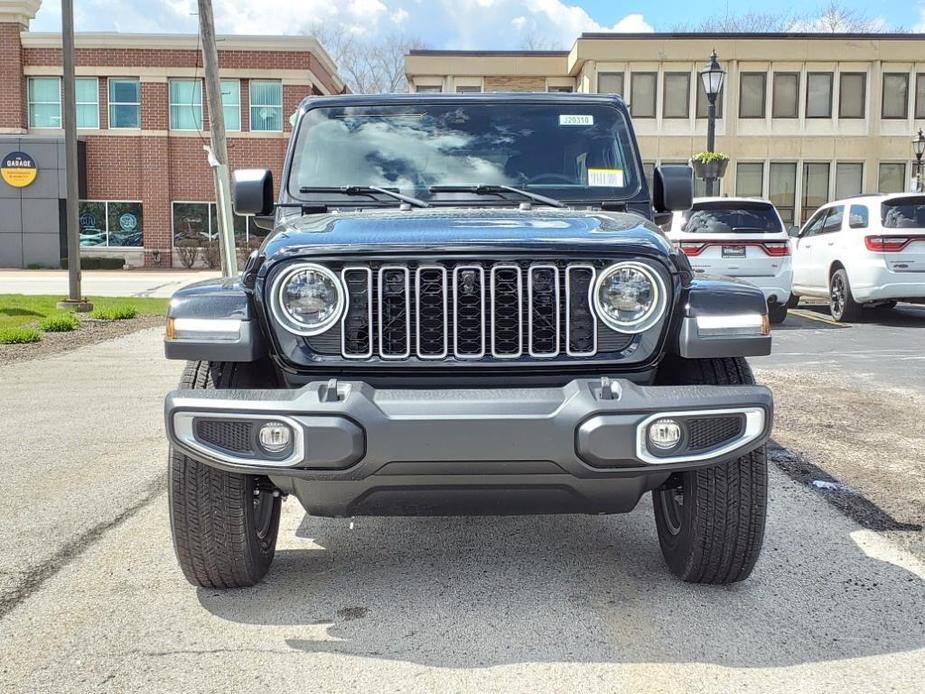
<point x="462" y="24"/>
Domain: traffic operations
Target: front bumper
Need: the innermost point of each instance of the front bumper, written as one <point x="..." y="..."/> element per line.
<point x="579" y="447"/>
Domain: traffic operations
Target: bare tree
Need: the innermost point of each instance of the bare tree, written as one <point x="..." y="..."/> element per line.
<point x="531" y="40"/>
<point x="369" y="66"/>
<point x="732" y="23"/>
<point x="833" y="17"/>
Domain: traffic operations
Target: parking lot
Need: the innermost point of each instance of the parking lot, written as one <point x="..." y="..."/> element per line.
<point x="91" y="598"/>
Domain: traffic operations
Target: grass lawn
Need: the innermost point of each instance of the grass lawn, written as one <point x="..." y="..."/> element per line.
<point x="20" y="310"/>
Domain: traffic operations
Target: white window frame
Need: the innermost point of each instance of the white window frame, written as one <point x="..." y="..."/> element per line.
<point x="252" y="105"/>
<point x="171" y="104"/>
<point x="31" y="103"/>
<point x="111" y="103"/>
<point x="106" y="204"/>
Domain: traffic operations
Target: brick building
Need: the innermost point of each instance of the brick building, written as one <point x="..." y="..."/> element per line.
<point x="142" y="122"/>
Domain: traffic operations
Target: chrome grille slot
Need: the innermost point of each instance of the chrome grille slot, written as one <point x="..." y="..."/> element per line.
<point x="432" y="312"/>
<point x="471" y="310"/>
<point x="580" y="320"/>
<point x="356" y="332"/>
<point x="543" y="319"/>
<point x="506" y="312"/>
<point x="394" y="312"/>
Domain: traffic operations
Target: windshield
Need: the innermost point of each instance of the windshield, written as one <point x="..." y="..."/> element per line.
<point x="903" y="213"/>
<point x="579" y="152"/>
<point x="731" y="217"/>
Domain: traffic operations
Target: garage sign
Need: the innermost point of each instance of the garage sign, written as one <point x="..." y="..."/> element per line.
<point x="18" y="169"/>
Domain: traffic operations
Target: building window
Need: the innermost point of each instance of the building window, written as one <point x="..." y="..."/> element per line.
<point x="892" y="178"/>
<point x="782" y="186"/>
<point x="643" y="91"/>
<point x="849" y="179"/>
<point x="124" y="103"/>
<point x="750" y="179"/>
<point x="920" y="96"/>
<point x="815" y="187"/>
<point x="475" y="89"/>
<point x="185" y="105"/>
<point x="422" y="88"/>
<point x="87" y="96"/>
<point x="560" y="88"/>
<point x="610" y="83"/>
<point x="266" y="106"/>
<point x="196" y="224"/>
<point x="819" y="95"/>
<point x="648" y="170"/>
<point x="676" y="100"/>
<point x="752" y="94"/>
<point x="44" y="102"/>
<point x="785" y="102"/>
<point x="852" y="94"/>
<point x="111" y="224"/>
<point x="895" y="95"/>
<point x="231" y="104"/>
<point x="703" y="104"/>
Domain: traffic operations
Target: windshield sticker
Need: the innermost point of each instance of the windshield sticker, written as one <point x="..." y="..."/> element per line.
<point x="575" y="119"/>
<point x="606" y="178"/>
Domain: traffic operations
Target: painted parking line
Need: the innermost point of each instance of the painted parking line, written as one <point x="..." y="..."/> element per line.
<point x="810" y="315"/>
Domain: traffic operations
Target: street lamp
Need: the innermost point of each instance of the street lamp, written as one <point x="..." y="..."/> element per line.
<point x="712" y="77"/>
<point x="918" y="146"/>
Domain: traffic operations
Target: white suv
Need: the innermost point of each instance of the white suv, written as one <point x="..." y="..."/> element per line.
<point x="738" y="237"/>
<point x="864" y="251"/>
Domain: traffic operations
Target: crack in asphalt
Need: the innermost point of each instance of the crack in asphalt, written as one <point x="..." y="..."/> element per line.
<point x="32" y="579"/>
<point x="845" y="500"/>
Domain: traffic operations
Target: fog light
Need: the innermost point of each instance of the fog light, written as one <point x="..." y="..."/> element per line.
<point x="274" y="437"/>
<point x="664" y="434"/>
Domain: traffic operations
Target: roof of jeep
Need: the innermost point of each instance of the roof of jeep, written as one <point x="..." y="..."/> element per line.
<point x="489" y="97"/>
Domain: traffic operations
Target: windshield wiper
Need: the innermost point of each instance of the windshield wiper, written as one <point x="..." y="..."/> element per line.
<point x="495" y="189"/>
<point x="366" y="191"/>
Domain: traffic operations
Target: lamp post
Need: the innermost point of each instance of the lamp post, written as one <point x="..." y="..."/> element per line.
<point x="712" y="77"/>
<point x="918" y="146"/>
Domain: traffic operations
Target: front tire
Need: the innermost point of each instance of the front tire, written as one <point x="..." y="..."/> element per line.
<point x="224" y="524"/>
<point x="711" y="521"/>
<point x="842" y="305"/>
<point x="777" y="313"/>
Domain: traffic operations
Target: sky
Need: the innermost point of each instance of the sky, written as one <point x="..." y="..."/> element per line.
<point x="453" y="24"/>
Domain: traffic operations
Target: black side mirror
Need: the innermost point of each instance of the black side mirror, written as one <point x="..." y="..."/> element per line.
<point x="673" y="188"/>
<point x="794" y="231"/>
<point x="253" y="192"/>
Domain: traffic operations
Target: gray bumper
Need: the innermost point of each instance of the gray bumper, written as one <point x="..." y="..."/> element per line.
<point x="352" y="431"/>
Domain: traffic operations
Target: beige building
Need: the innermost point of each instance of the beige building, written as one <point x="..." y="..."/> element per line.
<point x="805" y="118"/>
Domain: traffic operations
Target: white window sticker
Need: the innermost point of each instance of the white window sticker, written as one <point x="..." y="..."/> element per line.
<point x="575" y="119"/>
<point x="605" y="178"/>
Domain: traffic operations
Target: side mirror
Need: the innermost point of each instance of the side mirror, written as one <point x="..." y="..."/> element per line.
<point x="253" y="192"/>
<point x="793" y="232"/>
<point x="673" y="188"/>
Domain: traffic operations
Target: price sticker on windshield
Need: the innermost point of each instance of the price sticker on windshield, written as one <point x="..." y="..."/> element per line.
<point x="575" y="119"/>
<point x="605" y="178"/>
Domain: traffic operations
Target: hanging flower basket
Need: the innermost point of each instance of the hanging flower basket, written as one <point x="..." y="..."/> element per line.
<point x="710" y="164"/>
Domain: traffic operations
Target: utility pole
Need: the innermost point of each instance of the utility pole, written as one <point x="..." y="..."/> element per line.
<point x="74" y="301"/>
<point x="218" y="153"/>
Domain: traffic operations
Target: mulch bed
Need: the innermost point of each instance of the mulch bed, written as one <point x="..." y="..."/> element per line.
<point x="90" y="332"/>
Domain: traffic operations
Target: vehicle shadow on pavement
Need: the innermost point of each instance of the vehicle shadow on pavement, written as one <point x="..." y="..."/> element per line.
<point x="477" y="592"/>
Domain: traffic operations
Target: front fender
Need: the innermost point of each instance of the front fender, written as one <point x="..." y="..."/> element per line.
<point x="722" y="317"/>
<point x="213" y="320"/>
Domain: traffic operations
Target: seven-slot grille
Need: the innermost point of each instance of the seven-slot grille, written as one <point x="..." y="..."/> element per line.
<point x="471" y="310"/>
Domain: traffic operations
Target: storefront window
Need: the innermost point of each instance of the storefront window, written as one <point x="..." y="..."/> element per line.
<point x="111" y="223"/>
<point x="196" y="223"/>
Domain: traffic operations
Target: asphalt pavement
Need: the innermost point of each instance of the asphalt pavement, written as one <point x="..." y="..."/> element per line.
<point x="92" y="599"/>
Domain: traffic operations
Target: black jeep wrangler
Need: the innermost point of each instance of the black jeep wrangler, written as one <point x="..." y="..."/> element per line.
<point x="465" y="307"/>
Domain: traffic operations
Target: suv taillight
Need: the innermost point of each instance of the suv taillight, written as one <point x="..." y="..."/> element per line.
<point x="886" y="244"/>
<point x="776" y="249"/>
<point x="692" y="248"/>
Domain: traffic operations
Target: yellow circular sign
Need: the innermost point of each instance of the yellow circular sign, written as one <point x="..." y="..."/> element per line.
<point x="18" y="169"/>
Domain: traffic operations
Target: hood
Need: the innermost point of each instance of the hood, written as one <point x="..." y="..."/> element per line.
<point x="447" y="230"/>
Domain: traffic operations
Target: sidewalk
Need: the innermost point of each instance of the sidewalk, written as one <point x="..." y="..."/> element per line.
<point x="150" y="283"/>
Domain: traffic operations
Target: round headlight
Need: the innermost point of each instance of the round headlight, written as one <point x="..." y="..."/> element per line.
<point x="629" y="297"/>
<point x="308" y="299"/>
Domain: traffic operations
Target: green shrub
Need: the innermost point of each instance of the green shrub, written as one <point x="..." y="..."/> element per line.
<point x="97" y="263"/>
<point x="117" y="312"/>
<point x="18" y="336"/>
<point x="59" y="323"/>
<point x="707" y="157"/>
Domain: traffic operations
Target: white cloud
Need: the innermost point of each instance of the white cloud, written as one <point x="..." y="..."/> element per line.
<point x="921" y="25"/>
<point x="519" y="22"/>
<point x="400" y="16"/>
<point x="367" y="9"/>
<point x="633" y="23"/>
